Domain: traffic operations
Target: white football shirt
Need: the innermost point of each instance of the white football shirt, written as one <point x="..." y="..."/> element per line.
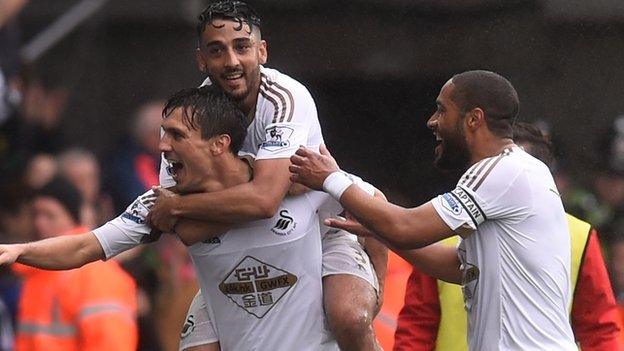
<point x="285" y="118"/>
<point x="516" y="263"/>
<point x="261" y="280"/>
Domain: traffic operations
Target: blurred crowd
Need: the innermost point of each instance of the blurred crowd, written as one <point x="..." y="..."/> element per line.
<point x="38" y="161"/>
<point x="35" y="154"/>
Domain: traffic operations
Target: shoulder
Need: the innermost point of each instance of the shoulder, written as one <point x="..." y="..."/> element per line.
<point x="277" y="85"/>
<point x="497" y="171"/>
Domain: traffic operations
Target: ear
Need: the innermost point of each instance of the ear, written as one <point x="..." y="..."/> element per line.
<point x="263" y="55"/>
<point x="201" y="61"/>
<point x="221" y="144"/>
<point x="475" y="118"/>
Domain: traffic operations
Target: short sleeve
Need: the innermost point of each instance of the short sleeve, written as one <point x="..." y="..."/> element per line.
<point x="290" y="120"/>
<point x="128" y="230"/>
<point x="503" y="192"/>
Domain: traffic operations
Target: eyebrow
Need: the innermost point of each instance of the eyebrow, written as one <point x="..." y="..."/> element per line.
<point x="242" y="39"/>
<point x="213" y="43"/>
<point x="172" y="129"/>
<point x="235" y="40"/>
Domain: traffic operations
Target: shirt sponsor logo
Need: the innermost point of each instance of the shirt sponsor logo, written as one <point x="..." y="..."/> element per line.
<point x="469" y="204"/>
<point x="451" y="204"/>
<point x="285" y="224"/>
<point x="256" y="286"/>
<point x="277" y="138"/>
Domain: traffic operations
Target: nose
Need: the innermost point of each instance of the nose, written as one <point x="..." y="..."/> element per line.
<point x="164" y="145"/>
<point x="231" y="59"/>
<point x="433" y="121"/>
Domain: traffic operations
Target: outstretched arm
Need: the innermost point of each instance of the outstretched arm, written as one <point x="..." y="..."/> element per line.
<point x="400" y="227"/>
<point x="58" y="253"/>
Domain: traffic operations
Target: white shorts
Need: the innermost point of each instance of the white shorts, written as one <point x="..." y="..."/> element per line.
<point x="342" y="254"/>
<point x="197" y="329"/>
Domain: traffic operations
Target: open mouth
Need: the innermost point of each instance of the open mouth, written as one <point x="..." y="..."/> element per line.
<point x="174" y="167"/>
<point x="438" y="142"/>
<point x="232" y="77"/>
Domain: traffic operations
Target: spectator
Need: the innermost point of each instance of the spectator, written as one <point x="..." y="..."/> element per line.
<point x="134" y="168"/>
<point x="603" y="202"/>
<point x="40" y="170"/>
<point x="82" y="169"/>
<point x="6" y="329"/>
<point x="91" y="308"/>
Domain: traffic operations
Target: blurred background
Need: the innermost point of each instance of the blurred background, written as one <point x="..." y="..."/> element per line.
<point x="83" y="81"/>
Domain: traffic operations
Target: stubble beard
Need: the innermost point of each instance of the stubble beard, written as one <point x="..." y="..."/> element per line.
<point x="454" y="154"/>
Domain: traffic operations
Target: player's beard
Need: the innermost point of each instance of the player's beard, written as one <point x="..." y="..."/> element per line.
<point x="454" y="154"/>
<point x="252" y="80"/>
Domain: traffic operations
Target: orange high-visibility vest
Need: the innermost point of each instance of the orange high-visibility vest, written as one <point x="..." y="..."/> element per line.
<point x="85" y="309"/>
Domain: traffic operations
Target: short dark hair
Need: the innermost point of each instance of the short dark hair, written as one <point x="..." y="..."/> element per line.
<point x="535" y="141"/>
<point x="238" y="11"/>
<point x="63" y="191"/>
<point x="209" y="110"/>
<point x="491" y="92"/>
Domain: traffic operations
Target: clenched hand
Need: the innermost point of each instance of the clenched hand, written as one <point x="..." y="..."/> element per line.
<point x="161" y="215"/>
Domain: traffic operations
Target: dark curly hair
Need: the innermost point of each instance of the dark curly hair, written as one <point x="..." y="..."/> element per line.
<point x="535" y="142"/>
<point x="237" y="11"/>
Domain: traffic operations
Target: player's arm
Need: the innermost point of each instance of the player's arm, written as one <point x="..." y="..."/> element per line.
<point x="190" y="231"/>
<point x="399" y="227"/>
<point x="403" y="230"/>
<point x="256" y="199"/>
<point x="58" y="253"/>
<point x="259" y="198"/>
<point x="437" y="260"/>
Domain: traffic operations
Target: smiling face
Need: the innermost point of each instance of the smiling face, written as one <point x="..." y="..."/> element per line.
<point x="189" y="156"/>
<point x="231" y="54"/>
<point x="447" y="124"/>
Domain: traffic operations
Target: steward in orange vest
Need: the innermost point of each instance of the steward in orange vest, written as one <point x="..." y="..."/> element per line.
<point x="85" y="309"/>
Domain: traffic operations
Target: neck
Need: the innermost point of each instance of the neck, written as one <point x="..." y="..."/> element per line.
<point x="248" y="104"/>
<point x="230" y="172"/>
<point x="491" y="147"/>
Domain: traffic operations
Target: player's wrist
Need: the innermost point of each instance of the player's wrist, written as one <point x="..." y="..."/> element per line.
<point x="337" y="183"/>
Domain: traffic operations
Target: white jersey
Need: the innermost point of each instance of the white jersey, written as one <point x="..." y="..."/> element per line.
<point x="516" y="263"/>
<point x="285" y="118"/>
<point x="255" y="276"/>
<point x="262" y="281"/>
